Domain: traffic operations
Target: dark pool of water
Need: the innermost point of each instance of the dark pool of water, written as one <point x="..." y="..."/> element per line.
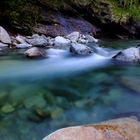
<point x="40" y="96"/>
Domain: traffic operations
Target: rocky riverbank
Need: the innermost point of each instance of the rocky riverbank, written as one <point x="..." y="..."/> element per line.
<point x="36" y="46"/>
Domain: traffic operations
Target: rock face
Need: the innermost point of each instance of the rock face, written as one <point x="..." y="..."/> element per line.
<point x="35" y="53"/>
<point x="4" y="36"/>
<point x="80" y="49"/>
<point x="119" y="129"/>
<point x="129" y="55"/>
<point x="60" y="41"/>
<point x="60" y="25"/>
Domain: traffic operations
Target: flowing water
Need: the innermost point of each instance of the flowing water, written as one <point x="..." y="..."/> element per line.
<point x="39" y="96"/>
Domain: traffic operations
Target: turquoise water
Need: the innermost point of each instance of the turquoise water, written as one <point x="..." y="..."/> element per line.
<point x="40" y="96"/>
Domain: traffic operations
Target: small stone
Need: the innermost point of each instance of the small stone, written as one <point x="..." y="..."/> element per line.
<point x="4" y="36"/>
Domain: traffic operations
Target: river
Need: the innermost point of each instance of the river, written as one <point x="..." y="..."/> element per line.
<point x="39" y="96"/>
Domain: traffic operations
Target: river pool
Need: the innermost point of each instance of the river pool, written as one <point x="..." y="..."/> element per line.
<point x="39" y="96"/>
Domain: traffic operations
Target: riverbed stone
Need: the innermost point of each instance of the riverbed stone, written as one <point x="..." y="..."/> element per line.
<point x="34" y="101"/>
<point x="118" y="129"/>
<point x="80" y="49"/>
<point x="129" y="55"/>
<point x="35" y="52"/>
<point x="4" y="36"/>
<point x="7" y="108"/>
<point x="38" y="41"/>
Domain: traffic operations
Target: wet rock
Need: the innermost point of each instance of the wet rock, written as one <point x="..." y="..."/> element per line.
<point x="23" y="45"/>
<point x="73" y="37"/>
<point x="129" y="55"/>
<point x="37" y="40"/>
<point x="80" y="49"/>
<point x="91" y="39"/>
<point x="119" y="129"/>
<point x="21" y="39"/>
<point x="2" y="45"/>
<point x="61" y="41"/>
<point x="4" y="36"/>
<point x="35" y="53"/>
<point x="82" y="41"/>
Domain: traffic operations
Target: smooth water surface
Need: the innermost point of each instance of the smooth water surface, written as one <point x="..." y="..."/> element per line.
<point x="40" y="96"/>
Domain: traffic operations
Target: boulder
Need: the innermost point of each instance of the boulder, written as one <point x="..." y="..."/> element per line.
<point x="73" y="37"/>
<point x="80" y="49"/>
<point x="23" y="45"/>
<point x="119" y="129"/>
<point x="20" y="39"/>
<point x="129" y="55"/>
<point x="91" y="39"/>
<point x="2" y="45"/>
<point x="37" y="40"/>
<point x="61" y="41"/>
<point x="35" y="52"/>
<point x="4" y="36"/>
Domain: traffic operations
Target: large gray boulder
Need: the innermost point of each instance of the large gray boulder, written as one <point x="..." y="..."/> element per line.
<point x="129" y="55"/>
<point x="37" y="40"/>
<point x="61" y="41"/>
<point x="35" y="52"/>
<point x="4" y="36"/>
<point x="80" y="49"/>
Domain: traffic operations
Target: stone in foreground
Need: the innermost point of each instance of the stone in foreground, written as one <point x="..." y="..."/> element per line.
<point x="80" y="49"/>
<point x="119" y="129"/>
<point x="4" y="36"/>
<point x="35" y="53"/>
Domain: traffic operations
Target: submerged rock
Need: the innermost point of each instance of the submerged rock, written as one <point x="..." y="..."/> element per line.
<point x="4" y="36"/>
<point x="61" y="41"/>
<point x="38" y="41"/>
<point x="119" y="129"/>
<point x="35" y="52"/>
<point x="128" y="55"/>
<point x="80" y="49"/>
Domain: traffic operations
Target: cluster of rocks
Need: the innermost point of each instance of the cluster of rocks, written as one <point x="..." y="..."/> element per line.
<point x="119" y="129"/>
<point x="36" y="45"/>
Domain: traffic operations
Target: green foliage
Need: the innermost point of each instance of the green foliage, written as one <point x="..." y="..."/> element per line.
<point x="123" y="10"/>
<point x="21" y="11"/>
